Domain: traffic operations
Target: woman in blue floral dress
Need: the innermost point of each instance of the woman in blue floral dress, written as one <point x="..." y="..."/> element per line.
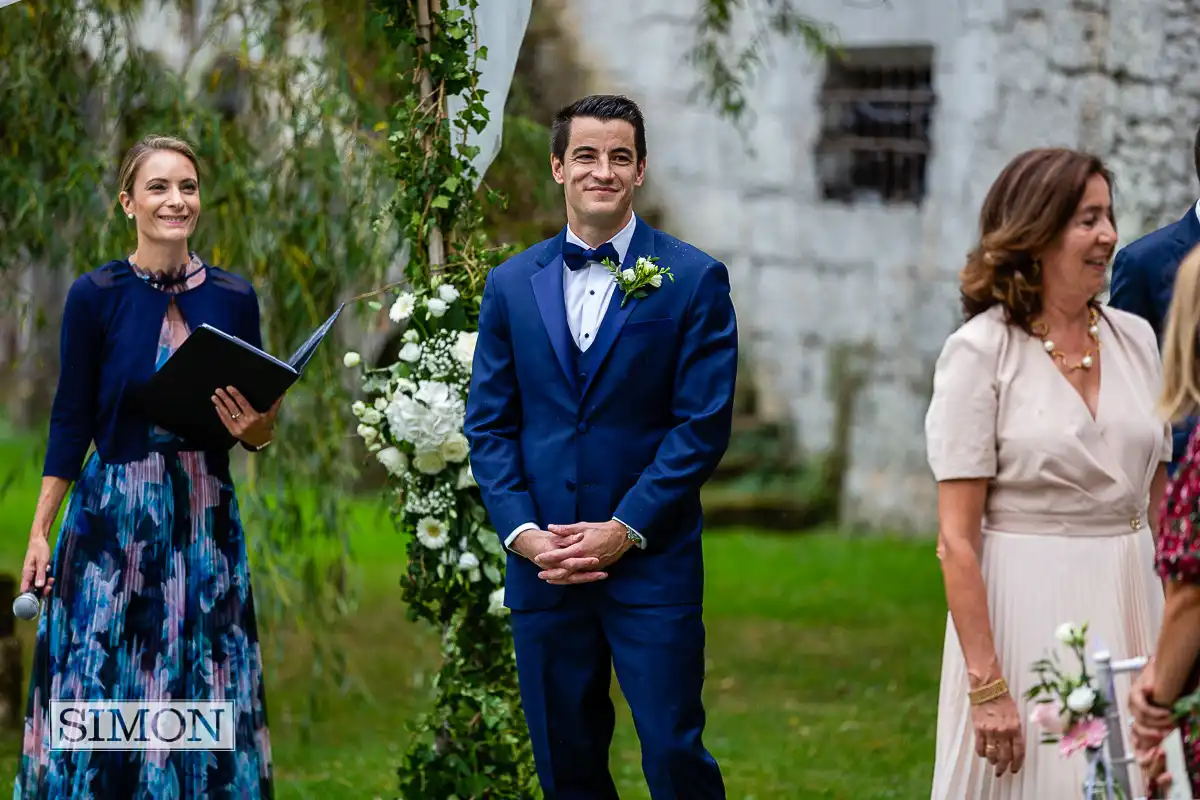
<point x="147" y="592"/>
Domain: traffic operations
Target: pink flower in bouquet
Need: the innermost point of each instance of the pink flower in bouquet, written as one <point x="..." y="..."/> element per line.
<point x="1050" y="717"/>
<point x="1087" y="733"/>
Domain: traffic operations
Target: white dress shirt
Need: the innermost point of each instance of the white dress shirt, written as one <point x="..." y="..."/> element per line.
<point x="586" y="293"/>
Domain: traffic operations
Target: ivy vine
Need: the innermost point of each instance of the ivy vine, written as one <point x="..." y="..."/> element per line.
<point x="473" y="742"/>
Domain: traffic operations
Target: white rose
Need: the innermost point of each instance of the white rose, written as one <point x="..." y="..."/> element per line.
<point x="381" y="403"/>
<point x="656" y="281"/>
<point x="358" y="407"/>
<point x="429" y="462"/>
<point x="466" y="479"/>
<point x="411" y="335"/>
<point x="1080" y="701"/>
<point x="455" y="449"/>
<point x="1066" y="632"/>
<point x="393" y="460"/>
<point x="464" y="347"/>
<point x="410" y="352"/>
<point x="448" y="293"/>
<point x="628" y="275"/>
<point x="352" y="359"/>
<point x="437" y="306"/>
<point x="367" y="433"/>
<point x="493" y="574"/>
<point x="496" y="603"/>
<point x="405" y="385"/>
<point x="372" y="417"/>
<point x="403" y="307"/>
<point x="468" y="561"/>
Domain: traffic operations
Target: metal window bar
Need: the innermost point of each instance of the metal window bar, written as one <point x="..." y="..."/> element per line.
<point x="875" y="140"/>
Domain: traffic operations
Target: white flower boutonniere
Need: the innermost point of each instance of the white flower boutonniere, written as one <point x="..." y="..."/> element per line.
<point x="637" y="280"/>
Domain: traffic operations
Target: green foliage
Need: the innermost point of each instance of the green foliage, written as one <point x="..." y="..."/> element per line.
<point x="473" y="742"/>
<point x="725" y="76"/>
<point x="286" y="142"/>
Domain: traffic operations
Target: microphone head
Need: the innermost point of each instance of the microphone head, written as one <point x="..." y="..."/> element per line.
<point x="26" y="606"/>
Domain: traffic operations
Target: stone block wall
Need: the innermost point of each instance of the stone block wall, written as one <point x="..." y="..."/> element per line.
<point x="810" y="276"/>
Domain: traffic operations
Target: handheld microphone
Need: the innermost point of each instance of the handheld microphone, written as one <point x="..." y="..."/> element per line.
<point x="26" y="606"/>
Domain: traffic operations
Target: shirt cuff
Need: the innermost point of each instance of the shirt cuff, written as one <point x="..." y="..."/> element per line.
<point x="638" y="538"/>
<point x="512" y="537"/>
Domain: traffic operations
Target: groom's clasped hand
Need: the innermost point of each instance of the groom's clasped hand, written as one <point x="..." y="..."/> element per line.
<point x="576" y="553"/>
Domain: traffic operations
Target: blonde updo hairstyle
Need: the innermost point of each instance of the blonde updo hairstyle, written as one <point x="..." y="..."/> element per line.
<point x="138" y="154"/>
<point x="1025" y="212"/>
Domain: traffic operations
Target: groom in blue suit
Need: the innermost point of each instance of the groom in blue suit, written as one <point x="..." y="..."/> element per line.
<point x="594" y="418"/>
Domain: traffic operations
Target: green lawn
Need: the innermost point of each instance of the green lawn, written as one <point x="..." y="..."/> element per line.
<point x="824" y="655"/>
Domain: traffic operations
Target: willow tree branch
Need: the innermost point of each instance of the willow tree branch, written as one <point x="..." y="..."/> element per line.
<point x="726" y="71"/>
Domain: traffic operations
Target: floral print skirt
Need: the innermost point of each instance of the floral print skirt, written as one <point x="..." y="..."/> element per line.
<point x="151" y="601"/>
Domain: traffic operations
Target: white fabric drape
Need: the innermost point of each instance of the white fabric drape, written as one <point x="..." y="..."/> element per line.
<point x="500" y="27"/>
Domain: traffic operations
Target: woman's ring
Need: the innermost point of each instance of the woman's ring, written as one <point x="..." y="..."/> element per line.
<point x="235" y="415"/>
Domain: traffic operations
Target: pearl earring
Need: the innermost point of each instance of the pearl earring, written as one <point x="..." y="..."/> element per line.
<point x="129" y="215"/>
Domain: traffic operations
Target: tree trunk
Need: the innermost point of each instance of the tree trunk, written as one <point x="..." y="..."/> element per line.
<point x="425" y="9"/>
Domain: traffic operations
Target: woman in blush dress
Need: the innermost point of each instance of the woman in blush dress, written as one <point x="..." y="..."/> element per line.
<point x="147" y="593"/>
<point x="1050" y="461"/>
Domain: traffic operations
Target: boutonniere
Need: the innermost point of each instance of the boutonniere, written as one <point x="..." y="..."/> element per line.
<point x="644" y="275"/>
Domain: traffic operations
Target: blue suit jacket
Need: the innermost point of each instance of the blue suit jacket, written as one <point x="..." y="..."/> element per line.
<point x="636" y="439"/>
<point x="1143" y="279"/>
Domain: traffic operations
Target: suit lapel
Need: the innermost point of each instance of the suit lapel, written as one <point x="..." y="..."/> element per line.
<point x="1187" y="233"/>
<point x="547" y="285"/>
<point x="615" y="316"/>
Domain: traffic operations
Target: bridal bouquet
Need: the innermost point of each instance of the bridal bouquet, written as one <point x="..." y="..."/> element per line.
<point x="1070" y="709"/>
<point x="414" y="427"/>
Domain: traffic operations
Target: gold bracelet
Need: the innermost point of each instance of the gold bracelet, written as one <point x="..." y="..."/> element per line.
<point x="985" y="694"/>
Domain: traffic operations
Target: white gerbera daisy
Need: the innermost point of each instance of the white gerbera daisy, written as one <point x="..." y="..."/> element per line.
<point x="432" y="533"/>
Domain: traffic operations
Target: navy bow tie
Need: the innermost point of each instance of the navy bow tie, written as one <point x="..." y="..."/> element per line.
<point x="576" y="257"/>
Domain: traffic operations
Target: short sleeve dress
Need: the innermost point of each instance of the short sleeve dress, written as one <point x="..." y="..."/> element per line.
<point x="1065" y="534"/>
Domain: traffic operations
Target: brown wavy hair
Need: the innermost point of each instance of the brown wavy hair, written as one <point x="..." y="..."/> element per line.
<point x="1025" y="212"/>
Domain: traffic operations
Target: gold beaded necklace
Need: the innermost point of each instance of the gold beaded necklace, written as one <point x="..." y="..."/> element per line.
<point x="1040" y="329"/>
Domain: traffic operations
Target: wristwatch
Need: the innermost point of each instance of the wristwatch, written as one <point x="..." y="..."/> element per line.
<point x="633" y="535"/>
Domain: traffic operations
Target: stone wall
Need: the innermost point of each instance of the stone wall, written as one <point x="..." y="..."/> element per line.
<point x="1117" y="76"/>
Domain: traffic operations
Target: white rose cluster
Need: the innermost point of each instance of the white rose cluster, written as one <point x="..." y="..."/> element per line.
<point x="413" y="424"/>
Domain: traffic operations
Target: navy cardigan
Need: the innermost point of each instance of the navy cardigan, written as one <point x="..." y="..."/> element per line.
<point x="109" y="343"/>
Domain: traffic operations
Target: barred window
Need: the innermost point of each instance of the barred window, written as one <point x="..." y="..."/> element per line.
<point x="877" y="108"/>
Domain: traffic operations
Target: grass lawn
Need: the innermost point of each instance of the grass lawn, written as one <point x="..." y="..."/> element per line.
<point x="824" y="655"/>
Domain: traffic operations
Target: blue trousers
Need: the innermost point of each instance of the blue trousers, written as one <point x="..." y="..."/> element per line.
<point x="565" y="659"/>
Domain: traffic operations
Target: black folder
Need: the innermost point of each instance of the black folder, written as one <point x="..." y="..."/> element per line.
<point x="178" y="397"/>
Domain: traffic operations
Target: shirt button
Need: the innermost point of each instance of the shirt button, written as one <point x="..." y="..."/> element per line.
<point x="593" y="291"/>
<point x="587" y="336"/>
